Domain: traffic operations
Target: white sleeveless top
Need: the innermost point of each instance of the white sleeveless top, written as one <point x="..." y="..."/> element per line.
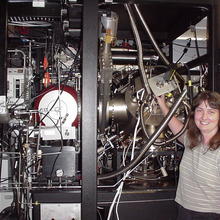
<point x="199" y="181"/>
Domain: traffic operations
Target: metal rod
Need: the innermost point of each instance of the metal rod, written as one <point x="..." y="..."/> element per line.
<point x="89" y="109"/>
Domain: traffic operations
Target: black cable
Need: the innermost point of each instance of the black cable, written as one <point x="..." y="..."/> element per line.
<point x="63" y="84"/>
<point x="1" y="158"/>
<point x="180" y="45"/>
<point x="46" y="114"/>
<point x="61" y="140"/>
<point x="196" y="42"/>
<point x="61" y="148"/>
<point x="197" y="48"/>
<point x="185" y="50"/>
<point x="4" y="179"/>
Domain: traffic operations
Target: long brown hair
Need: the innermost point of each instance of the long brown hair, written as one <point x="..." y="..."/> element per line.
<point x="194" y="134"/>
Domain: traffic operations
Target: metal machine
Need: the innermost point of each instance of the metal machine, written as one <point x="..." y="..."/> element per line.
<point x="44" y="115"/>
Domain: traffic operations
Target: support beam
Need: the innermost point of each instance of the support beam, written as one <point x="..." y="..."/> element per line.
<point x="3" y="47"/>
<point x="89" y="109"/>
<point x="3" y="59"/>
<point x="214" y="73"/>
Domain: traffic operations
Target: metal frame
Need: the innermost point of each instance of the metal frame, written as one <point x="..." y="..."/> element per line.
<point x="3" y="58"/>
<point x="3" y="46"/>
<point x="143" y="205"/>
<point x="89" y="92"/>
<point x="214" y="76"/>
<point x="89" y="109"/>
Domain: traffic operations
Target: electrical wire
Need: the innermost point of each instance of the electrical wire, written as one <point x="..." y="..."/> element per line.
<point x="180" y="45"/>
<point x="125" y="152"/>
<point x="120" y="188"/>
<point x="61" y="148"/>
<point x="185" y="50"/>
<point x="118" y="199"/>
<point x="61" y="143"/>
<point x="117" y="196"/>
<point x="193" y="28"/>
<point x="154" y="136"/>
<point x="134" y="138"/>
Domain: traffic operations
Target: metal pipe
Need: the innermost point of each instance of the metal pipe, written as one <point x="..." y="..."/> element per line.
<point x="171" y="139"/>
<point x="133" y="57"/>
<point x="140" y="50"/>
<point x="160" y="53"/>
<point x="122" y="49"/>
<point x="154" y="136"/>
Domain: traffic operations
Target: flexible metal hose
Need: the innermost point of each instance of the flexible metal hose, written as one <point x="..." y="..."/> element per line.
<point x="171" y="139"/>
<point x="156" y="47"/>
<point x="139" y="48"/>
<point x="160" y="53"/>
<point x="154" y="136"/>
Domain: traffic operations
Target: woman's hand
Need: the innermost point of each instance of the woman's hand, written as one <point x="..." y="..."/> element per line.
<point x="162" y="103"/>
<point x="174" y="124"/>
<point x="161" y="100"/>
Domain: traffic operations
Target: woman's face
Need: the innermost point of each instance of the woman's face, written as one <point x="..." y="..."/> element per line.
<point x="206" y="118"/>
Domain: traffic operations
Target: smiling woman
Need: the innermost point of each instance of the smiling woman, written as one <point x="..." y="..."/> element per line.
<point x="206" y="120"/>
<point x="198" y="191"/>
<point x="204" y="124"/>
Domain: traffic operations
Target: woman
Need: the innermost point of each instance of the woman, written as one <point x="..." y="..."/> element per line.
<point x="198" y="191"/>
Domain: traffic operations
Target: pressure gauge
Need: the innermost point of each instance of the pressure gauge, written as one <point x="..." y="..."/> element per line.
<point x="59" y="173"/>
